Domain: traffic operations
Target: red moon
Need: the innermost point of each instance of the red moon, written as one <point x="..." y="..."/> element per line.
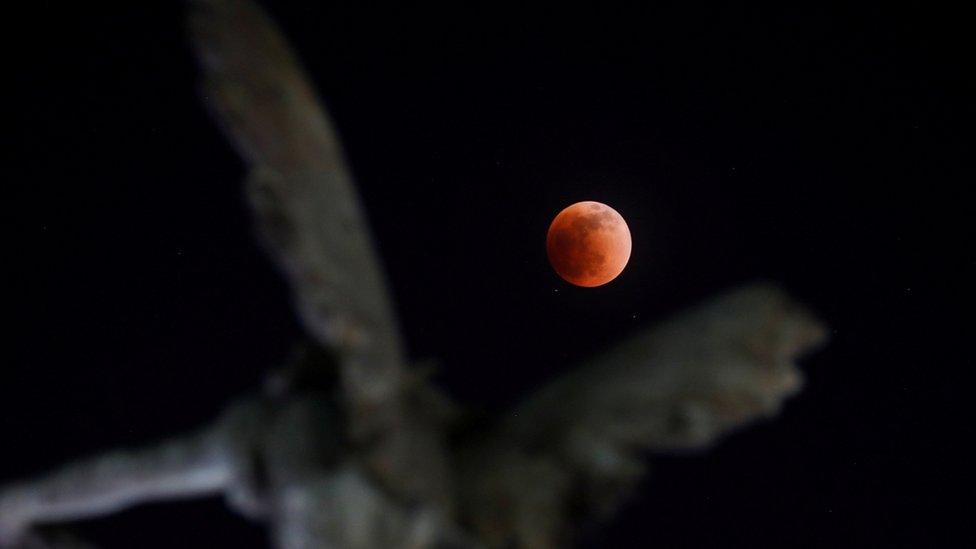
<point x="588" y="244"/>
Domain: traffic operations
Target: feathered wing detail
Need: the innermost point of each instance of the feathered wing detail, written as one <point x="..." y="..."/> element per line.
<point x="301" y="190"/>
<point x="578" y="444"/>
<point x="311" y="219"/>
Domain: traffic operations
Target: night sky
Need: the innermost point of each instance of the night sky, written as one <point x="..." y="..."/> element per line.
<point x="821" y="148"/>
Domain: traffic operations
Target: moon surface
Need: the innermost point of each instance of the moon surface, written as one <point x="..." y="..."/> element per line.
<point x="588" y="244"/>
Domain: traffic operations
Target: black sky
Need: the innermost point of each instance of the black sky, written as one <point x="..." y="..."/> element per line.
<point x="827" y="149"/>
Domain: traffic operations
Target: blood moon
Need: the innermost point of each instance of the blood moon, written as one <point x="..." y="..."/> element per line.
<point x="588" y="244"/>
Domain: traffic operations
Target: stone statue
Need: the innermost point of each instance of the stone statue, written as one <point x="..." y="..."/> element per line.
<point x="347" y="446"/>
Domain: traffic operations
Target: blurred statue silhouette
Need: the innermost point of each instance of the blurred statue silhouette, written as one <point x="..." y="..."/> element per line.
<point x="348" y="447"/>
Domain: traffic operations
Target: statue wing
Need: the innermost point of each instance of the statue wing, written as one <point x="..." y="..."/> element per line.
<point x="301" y="190"/>
<point x="579" y="443"/>
<point x="311" y="219"/>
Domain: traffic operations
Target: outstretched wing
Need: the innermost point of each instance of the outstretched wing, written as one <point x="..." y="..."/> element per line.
<point x="301" y="190"/>
<point x="313" y="223"/>
<point x="578" y="443"/>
